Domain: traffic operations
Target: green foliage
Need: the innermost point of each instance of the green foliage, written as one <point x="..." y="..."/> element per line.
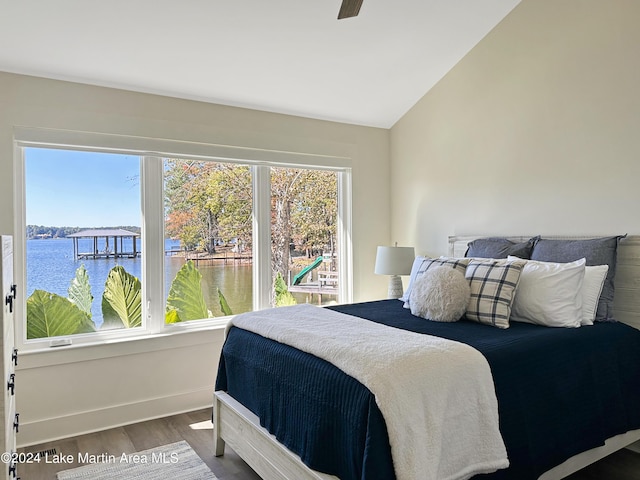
<point x="224" y="306"/>
<point x="121" y="300"/>
<point x="50" y="315"/>
<point x="188" y="217"/>
<point x="304" y="211"/>
<point x="207" y="203"/>
<point x="229" y="197"/>
<point x="283" y="297"/>
<point x="314" y="212"/>
<point x="210" y="203"/>
<point x="185" y="296"/>
<point x="79" y="291"/>
<point x="171" y="316"/>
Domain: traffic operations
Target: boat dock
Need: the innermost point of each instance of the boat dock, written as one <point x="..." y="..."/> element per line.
<point x="327" y="284"/>
<point x="113" y="244"/>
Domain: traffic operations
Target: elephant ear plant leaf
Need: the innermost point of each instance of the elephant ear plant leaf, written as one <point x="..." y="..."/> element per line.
<point x="79" y="291"/>
<point x="51" y="315"/>
<point x="121" y="300"/>
<point x="171" y="316"/>
<point x="224" y="306"/>
<point x="283" y="296"/>
<point x="185" y="296"/>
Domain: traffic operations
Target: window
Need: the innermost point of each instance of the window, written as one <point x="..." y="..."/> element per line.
<point x="304" y="252"/>
<point x="209" y="237"/>
<point x="78" y="272"/>
<point x="119" y="244"/>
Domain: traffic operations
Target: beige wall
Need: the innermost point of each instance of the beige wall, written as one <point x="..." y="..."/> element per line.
<point x="68" y="391"/>
<point x="536" y="130"/>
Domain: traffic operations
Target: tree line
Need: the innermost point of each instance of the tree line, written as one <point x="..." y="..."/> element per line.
<point x="209" y="204"/>
<point x="41" y="231"/>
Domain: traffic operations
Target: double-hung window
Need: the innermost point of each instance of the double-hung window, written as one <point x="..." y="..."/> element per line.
<point x="115" y="242"/>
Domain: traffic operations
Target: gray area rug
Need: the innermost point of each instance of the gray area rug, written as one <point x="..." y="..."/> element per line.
<point x="174" y="461"/>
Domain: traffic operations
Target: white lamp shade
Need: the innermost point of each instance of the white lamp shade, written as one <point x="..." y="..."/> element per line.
<point x="394" y="260"/>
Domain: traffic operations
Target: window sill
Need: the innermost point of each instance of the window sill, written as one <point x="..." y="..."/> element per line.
<point x="170" y="338"/>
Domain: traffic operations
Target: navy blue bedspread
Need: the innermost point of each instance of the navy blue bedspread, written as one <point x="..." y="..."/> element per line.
<point x="560" y="392"/>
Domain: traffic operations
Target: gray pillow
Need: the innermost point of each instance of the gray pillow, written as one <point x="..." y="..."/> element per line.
<point x="499" y="247"/>
<point x="597" y="251"/>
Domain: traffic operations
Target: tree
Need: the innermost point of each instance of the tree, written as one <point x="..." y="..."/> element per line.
<point x="314" y="216"/>
<point x="304" y="211"/>
<point x="188" y="217"/>
<point x="286" y="183"/>
<point x="230" y="197"/>
<point x="207" y="202"/>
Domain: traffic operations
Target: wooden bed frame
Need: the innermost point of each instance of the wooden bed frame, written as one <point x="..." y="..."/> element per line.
<point x="238" y="427"/>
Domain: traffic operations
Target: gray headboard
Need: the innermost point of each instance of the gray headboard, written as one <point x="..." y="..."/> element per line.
<point x="626" y="302"/>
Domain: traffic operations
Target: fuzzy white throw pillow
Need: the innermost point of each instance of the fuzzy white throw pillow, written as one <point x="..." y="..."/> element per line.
<point x="440" y="294"/>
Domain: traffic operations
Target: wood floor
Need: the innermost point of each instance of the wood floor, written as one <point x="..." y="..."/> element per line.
<point x="195" y="428"/>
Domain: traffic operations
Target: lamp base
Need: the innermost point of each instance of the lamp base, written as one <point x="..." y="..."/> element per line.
<point x="395" y="287"/>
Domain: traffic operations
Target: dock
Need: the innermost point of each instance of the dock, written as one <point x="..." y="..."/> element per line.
<point x="94" y="255"/>
<point x="113" y="244"/>
<point x="313" y="287"/>
<point x="327" y="284"/>
<point x="226" y="257"/>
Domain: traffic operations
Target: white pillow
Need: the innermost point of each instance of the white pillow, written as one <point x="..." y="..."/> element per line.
<point x="594" y="277"/>
<point x="412" y="277"/>
<point x="440" y="294"/>
<point x="550" y="294"/>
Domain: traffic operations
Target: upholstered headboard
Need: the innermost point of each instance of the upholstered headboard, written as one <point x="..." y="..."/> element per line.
<point x="626" y="302"/>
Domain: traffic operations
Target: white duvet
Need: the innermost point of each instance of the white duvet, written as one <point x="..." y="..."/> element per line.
<point x="437" y="396"/>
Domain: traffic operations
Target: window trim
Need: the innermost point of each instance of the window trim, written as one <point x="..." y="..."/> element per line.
<point x="152" y="151"/>
<point x="260" y="177"/>
<point x="160" y="147"/>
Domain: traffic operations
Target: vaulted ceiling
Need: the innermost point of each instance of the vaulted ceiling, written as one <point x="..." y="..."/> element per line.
<point x="286" y="56"/>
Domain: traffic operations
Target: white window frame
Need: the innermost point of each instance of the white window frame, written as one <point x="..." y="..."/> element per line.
<point x="152" y="152"/>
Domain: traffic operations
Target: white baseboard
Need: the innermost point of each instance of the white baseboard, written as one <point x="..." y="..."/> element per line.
<point x="80" y="423"/>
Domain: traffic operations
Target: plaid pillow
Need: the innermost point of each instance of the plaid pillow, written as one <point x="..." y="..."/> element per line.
<point x="493" y="285"/>
<point x="422" y="264"/>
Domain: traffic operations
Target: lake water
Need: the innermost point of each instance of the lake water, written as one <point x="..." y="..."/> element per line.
<point x="51" y="267"/>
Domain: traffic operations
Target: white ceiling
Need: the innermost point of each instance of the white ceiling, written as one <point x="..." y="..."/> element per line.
<point x="287" y="56"/>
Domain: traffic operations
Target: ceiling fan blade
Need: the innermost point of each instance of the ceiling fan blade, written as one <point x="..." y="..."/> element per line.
<point x="349" y="8"/>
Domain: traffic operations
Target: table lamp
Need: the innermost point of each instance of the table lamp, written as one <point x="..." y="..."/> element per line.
<point x="394" y="261"/>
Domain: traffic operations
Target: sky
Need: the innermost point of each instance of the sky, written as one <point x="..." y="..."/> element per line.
<point x="81" y="189"/>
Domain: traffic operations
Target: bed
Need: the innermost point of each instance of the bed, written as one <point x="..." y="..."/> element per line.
<point x="265" y="417"/>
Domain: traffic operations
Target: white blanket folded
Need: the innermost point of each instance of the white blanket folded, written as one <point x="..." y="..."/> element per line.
<point x="436" y="395"/>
